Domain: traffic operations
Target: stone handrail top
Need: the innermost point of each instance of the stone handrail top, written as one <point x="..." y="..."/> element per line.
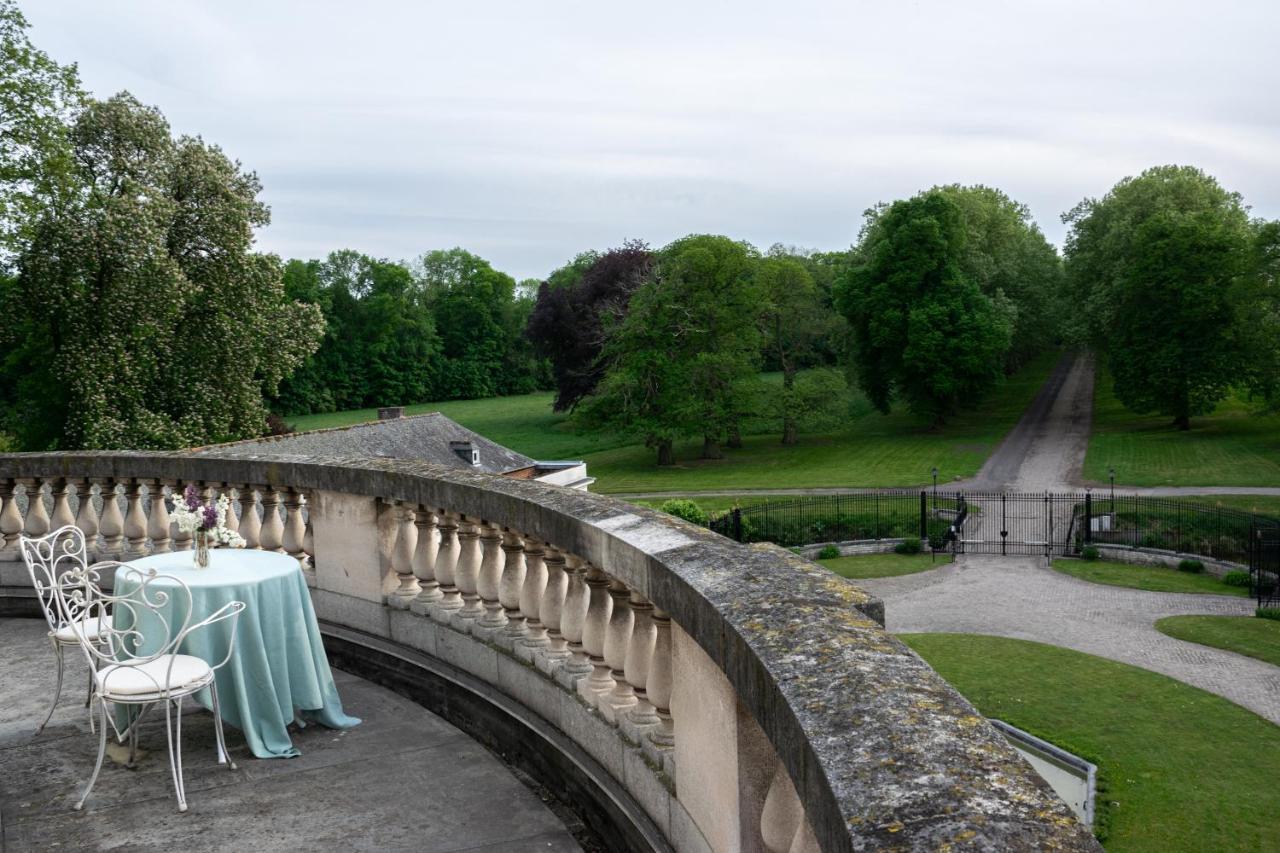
<point x="881" y="750"/>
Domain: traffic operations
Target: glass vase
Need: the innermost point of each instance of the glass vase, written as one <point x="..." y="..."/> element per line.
<point x="202" y="549"/>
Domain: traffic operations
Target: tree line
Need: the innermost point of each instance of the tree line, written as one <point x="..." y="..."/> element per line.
<point x="137" y="312"/>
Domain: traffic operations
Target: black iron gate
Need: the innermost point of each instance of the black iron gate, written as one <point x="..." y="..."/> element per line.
<point x="1264" y="564"/>
<point x="1024" y="524"/>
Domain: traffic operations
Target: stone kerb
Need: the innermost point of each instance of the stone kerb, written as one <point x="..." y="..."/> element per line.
<point x="1140" y="556"/>
<point x="880" y="750"/>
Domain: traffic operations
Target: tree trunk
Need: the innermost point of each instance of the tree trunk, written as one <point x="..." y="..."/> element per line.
<point x="711" y="448"/>
<point x="735" y="438"/>
<point x="1182" y="421"/>
<point x="790" y="430"/>
<point x="1182" y="408"/>
<point x="665" y="455"/>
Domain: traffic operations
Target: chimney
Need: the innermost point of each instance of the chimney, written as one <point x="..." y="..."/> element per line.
<point x="390" y="413"/>
<point x="466" y="451"/>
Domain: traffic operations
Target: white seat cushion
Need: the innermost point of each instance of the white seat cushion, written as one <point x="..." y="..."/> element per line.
<point x="92" y="626"/>
<point x="144" y="678"/>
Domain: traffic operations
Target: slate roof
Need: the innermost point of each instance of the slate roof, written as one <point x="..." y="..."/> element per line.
<point x="414" y="437"/>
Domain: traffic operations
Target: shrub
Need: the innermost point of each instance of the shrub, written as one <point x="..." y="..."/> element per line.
<point x="1089" y="552"/>
<point x="1268" y="613"/>
<point x="277" y="425"/>
<point x="830" y="552"/>
<point x="910" y="545"/>
<point x="686" y="509"/>
<point x="938" y="541"/>
<point x="1195" y="567"/>
<point x="1236" y="578"/>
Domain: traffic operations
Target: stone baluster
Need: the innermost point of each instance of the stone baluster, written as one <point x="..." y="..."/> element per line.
<point x="658" y="686"/>
<point x="10" y="518"/>
<point x="250" y="524"/>
<point x="509" y="588"/>
<point x="599" y="607"/>
<point x="295" y="529"/>
<point x="467" y="574"/>
<point x="37" y="522"/>
<point x="446" y="564"/>
<point x="158" y="523"/>
<point x="62" y="515"/>
<point x="491" y="563"/>
<point x="424" y="563"/>
<point x="784" y="827"/>
<point x="135" y="519"/>
<point x="308" y="543"/>
<point x="271" y="538"/>
<point x="617" y="640"/>
<point x="550" y="609"/>
<point x="402" y="557"/>
<point x="642" y="716"/>
<point x="572" y="621"/>
<point x="183" y="540"/>
<point x="535" y="583"/>
<point x="232" y="521"/>
<point x="111" y="522"/>
<point x="86" y="518"/>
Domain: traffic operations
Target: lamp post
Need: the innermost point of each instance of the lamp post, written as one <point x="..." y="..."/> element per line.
<point x="1111" y="472"/>
<point x="935" y="490"/>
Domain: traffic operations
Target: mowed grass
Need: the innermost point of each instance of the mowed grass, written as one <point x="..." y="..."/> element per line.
<point x="1151" y="578"/>
<point x="885" y="565"/>
<point x="1244" y="635"/>
<point x="1179" y="768"/>
<point x="870" y="449"/>
<point x="1231" y="447"/>
<point x="1259" y="504"/>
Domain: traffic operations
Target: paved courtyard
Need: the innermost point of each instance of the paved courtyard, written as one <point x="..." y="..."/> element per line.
<point x="1020" y="597"/>
<point x="402" y="780"/>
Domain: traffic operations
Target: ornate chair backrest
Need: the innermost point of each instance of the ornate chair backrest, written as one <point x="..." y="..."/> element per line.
<point x="146" y="616"/>
<point x="53" y="560"/>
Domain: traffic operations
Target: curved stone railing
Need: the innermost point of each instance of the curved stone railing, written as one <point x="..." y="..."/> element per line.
<point x="694" y="693"/>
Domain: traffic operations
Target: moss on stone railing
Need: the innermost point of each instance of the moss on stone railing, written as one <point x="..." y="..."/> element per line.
<point x="875" y="748"/>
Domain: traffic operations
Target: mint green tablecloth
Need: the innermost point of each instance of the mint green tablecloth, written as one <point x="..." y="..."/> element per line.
<point x="278" y="671"/>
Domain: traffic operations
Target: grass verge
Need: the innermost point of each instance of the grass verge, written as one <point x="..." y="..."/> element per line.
<point x="1245" y="635"/>
<point x="1230" y="447"/>
<point x="1151" y="578"/>
<point x="886" y="565"/>
<point x="1180" y="769"/>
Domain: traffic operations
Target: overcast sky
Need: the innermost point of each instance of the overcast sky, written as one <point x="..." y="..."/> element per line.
<point x="527" y="132"/>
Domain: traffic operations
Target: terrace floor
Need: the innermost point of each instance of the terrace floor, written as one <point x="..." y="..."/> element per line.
<point x="403" y="779"/>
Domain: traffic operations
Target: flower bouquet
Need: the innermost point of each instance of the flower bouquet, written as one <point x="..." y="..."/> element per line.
<point x="207" y="522"/>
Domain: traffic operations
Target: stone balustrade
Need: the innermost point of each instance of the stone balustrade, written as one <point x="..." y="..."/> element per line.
<point x="678" y="690"/>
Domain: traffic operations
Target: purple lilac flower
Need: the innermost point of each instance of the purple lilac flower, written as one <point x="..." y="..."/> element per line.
<point x="210" y="518"/>
<point x="192" y="498"/>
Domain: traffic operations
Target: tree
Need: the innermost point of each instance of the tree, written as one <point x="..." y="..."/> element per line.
<point x="683" y="360"/>
<point x="143" y="319"/>
<point x="794" y="321"/>
<point x="37" y="99"/>
<point x="576" y="309"/>
<point x="1161" y="265"/>
<point x="923" y="330"/>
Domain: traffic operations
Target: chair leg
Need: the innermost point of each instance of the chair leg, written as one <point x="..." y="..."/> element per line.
<point x="175" y="751"/>
<point x="133" y="744"/>
<point x="102" y="751"/>
<point x="223" y="755"/>
<point x="88" y="701"/>
<point x="57" y="691"/>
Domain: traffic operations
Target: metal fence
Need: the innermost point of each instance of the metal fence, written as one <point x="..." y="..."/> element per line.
<point x="1021" y="523"/>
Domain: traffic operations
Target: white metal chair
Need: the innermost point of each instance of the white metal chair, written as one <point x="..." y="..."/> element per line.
<point x="49" y="560"/>
<point x="126" y="675"/>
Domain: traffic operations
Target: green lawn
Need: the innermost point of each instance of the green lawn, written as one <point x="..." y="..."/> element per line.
<point x="1152" y="578"/>
<point x="1179" y="769"/>
<point x="1228" y="448"/>
<point x="885" y="565"/>
<point x="870" y="449"/>
<point x="711" y="505"/>
<point x="1245" y="635"/>
<point x="1260" y="504"/>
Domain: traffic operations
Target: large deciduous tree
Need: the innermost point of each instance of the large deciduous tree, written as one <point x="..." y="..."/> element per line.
<point x="143" y="317"/>
<point x="923" y="330"/>
<point x="1162" y="265"/>
<point x="576" y="310"/>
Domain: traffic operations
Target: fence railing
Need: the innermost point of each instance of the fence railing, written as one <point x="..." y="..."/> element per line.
<point x="1021" y="524"/>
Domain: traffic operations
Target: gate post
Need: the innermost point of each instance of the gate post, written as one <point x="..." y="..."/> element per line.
<point x="737" y="524"/>
<point x="1088" y="518"/>
<point x="924" y="522"/>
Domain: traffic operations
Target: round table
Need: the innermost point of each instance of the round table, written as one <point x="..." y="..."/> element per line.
<point x="278" y="671"/>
